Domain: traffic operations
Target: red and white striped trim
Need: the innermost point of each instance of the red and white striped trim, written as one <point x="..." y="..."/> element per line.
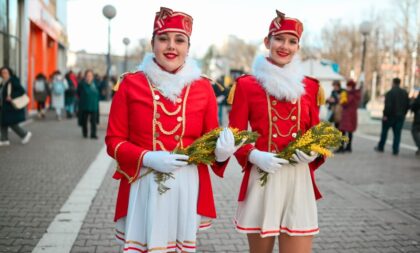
<point x="205" y="225"/>
<point x="178" y="246"/>
<point x="266" y="233"/>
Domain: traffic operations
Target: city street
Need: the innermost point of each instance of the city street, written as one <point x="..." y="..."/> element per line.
<point x="57" y="195"/>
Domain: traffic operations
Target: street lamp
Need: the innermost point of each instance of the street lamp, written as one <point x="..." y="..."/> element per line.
<point x="109" y="12"/>
<point x="364" y="28"/>
<point x="126" y="42"/>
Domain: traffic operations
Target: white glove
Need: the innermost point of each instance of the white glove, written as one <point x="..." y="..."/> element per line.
<point x="163" y="161"/>
<point x="266" y="161"/>
<point x="301" y="157"/>
<point x="225" y="145"/>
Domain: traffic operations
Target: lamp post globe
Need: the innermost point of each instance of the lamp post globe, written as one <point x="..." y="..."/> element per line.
<point x="126" y="41"/>
<point x="109" y="12"/>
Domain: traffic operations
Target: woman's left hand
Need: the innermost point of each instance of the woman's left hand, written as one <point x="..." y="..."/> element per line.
<point x="225" y="145"/>
<point x="9" y="98"/>
<point x="302" y="157"/>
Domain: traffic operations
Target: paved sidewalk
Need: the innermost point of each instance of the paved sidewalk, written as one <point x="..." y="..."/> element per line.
<point x="368" y="206"/>
<point x="371" y="200"/>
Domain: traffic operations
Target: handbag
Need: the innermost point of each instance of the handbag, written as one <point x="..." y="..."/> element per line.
<point x="18" y="102"/>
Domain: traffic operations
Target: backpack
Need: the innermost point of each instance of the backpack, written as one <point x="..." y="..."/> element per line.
<point x="58" y="88"/>
<point x="39" y="86"/>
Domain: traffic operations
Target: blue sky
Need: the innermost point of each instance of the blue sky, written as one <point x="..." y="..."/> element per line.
<point x="214" y="20"/>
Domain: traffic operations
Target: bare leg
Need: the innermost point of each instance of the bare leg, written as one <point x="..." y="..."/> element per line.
<point x="257" y="244"/>
<point x="295" y="244"/>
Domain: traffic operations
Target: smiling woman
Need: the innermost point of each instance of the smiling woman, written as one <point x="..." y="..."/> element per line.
<point x="164" y="106"/>
<point x="279" y="103"/>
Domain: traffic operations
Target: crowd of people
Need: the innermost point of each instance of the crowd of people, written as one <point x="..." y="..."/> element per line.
<point x="70" y="95"/>
<point x="342" y="112"/>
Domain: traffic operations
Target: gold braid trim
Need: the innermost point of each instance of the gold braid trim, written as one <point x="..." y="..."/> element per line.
<point x="280" y="117"/>
<point x="170" y="132"/>
<point x="118" y="169"/>
<point x="162" y="147"/>
<point x="283" y="135"/>
<point x="270" y="122"/>
<point x="184" y="119"/>
<point x="166" y="110"/>
<point x="139" y="160"/>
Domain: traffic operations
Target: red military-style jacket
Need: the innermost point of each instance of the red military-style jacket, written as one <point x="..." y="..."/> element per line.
<point x="277" y="121"/>
<point x="142" y="119"/>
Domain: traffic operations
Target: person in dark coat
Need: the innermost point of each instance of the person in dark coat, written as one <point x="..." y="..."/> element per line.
<point x="41" y="93"/>
<point x="396" y="106"/>
<point x="415" y="129"/>
<point x="11" y="88"/>
<point x="88" y="105"/>
<point x="334" y="106"/>
<point x="70" y="94"/>
<point x="348" y="122"/>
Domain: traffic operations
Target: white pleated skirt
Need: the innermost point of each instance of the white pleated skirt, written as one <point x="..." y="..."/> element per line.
<point x="162" y="222"/>
<point x="286" y="204"/>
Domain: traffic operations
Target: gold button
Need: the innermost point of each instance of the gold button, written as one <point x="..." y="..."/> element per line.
<point x="179" y="100"/>
<point x="157" y="115"/>
<point x="275" y="118"/>
<point x="156" y="97"/>
<point x="176" y="137"/>
<point x="274" y="102"/>
<point x="293" y="118"/>
<point x="156" y="135"/>
<point x="275" y="135"/>
<point x="293" y="101"/>
<point x="294" y="135"/>
<point x="179" y="118"/>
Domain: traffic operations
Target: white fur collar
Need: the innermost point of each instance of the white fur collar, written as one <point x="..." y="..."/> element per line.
<point x="280" y="82"/>
<point x="170" y="85"/>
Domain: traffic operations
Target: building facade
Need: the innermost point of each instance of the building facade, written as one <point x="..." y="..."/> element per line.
<point x="33" y="38"/>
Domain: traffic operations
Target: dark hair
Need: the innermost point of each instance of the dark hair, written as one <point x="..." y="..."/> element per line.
<point x="40" y="76"/>
<point x="87" y="71"/>
<point x="351" y="83"/>
<point x="396" y="81"/>
<point x="11" y="73"/>
<point x="336" y="83"/>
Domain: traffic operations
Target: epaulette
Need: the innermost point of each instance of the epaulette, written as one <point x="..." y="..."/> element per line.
<point x="215" y="82"/>
<point x="120" y="78"/>
<point x="231" y="95"/>
<point x="320" y="97"/>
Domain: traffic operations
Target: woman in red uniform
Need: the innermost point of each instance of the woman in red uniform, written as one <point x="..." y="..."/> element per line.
<point x="278" y="102"/>
<point x="163" y="106"/>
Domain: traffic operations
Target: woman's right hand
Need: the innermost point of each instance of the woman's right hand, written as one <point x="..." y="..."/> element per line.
<point x="266" y="161"/>
<point x="163" y="161"/>
<point x="9" y="98"/>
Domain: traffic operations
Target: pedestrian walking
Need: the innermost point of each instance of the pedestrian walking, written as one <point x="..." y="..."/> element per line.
<point x="278" y="102"/>
<point x="335" y="109"/>
<point x="88" y="105"/>
<point x="396" y="106"/>
<point x="70" y="94"/>
<point x="348" y="122"/>
<point x="164" y="106"/>
<point x="10" y="88"/>
<point x="41" y="93"/>
<point x="58" y="87"/>
<point x="415" y="129"/>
